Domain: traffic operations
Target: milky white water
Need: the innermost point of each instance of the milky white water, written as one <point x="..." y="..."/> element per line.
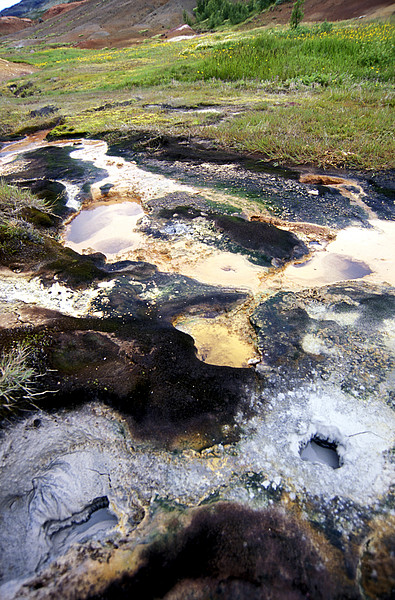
<point x="356" y="253"/>
<point x="107" y="228"/>
<point x="129" y="181"/>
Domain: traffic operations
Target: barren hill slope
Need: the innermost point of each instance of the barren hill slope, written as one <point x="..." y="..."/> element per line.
<point x="29" y="8"/>
<point x="330" y="10"/>
<point x="111" y="22"/>
<point x="97" y="24"/>
<point x="13" y="24"/>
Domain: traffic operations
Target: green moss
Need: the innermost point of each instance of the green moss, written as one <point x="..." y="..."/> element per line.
<point x="75" y="270"/>
<point x="37" y="217"/>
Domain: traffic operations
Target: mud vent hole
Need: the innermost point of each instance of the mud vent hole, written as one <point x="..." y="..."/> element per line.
<point x="92" y="523"/>
<point x="321" y="451"/>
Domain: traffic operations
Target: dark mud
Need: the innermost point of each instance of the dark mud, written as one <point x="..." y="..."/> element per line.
<point x="146" y="369"/>
<point x="274" y="187"/>
<point x="228" y="552"/>
<point x="55" y="163"/>
<point x="261" y="243"/>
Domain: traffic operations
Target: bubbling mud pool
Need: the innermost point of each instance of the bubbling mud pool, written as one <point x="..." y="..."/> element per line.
<point x="109" y="480"/>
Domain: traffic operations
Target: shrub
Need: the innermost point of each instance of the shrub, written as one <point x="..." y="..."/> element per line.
<point x="297" y="14"/>
<point x="326" y="27"/>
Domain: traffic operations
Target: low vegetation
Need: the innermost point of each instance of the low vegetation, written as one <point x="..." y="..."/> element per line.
<point x="15" y="201"/>
<point x="320" y="94"/>
<point x="297" y="13"/>
<point x="210" y="14"/>
<point x="17" y="380"/>
<point x="19" y="211"/>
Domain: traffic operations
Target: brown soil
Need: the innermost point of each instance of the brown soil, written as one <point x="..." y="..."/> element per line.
<point x="59" y="9"/>
<point x="9" y="70"/>
<point x="13" y="25"/>
<point x="118" y="23"/>
<point x="330" y="10"/>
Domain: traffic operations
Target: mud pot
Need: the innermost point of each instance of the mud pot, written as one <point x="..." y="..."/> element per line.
<point x="218" y="383"/>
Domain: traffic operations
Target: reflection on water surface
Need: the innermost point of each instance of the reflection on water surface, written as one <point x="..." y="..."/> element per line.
<point x="109" y="229"/>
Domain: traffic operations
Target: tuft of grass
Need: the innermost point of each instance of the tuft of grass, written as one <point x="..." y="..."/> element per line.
<point x="317" y="131"/>
<point x="20" y="211"/>
<point x="14" y="200"/>
<point x="17" y="379"/>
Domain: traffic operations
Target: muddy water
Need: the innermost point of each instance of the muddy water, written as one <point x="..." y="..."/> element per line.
<point x="354" y="255"/>
<point x="225" y="340"/>
<point x="31" y="142"/>
<point x="357" y="253"/>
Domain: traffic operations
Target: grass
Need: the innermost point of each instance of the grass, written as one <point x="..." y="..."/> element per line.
<point x="321" y="94"/>
<point x="308" y="55"/>
<point x="16" y="379"/>
<point x="20" y="211"/>
<point x="14" y="201"/>
<point x="320" y="131"/>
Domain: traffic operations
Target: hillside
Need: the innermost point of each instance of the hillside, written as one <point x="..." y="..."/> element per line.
<point x="330" y="10"/>
<point x="29" y="8"/>
<point x="117" y="23"/>
<point x="13" y="24"/>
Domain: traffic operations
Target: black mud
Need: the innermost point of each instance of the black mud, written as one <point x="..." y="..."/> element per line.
<point x="145" y="369"/>
<point x="230" y="552"/>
